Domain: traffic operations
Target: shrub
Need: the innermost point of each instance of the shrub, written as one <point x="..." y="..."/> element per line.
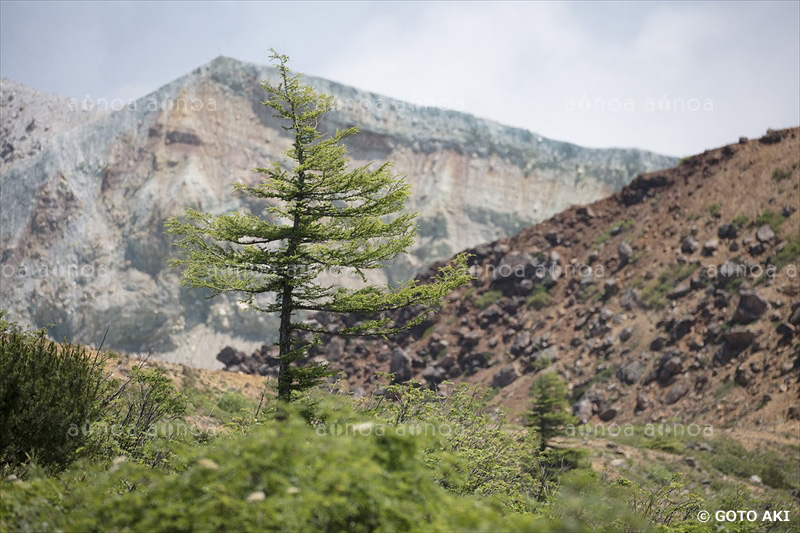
<point x="475" y="452"/>
<point x="487" y="298"/>
<point x="715" y="209"/>
<point x="770" y="218"/>
<point x="539" y="297"/>
<point x="790" y="252"/>
<point x="146" y="399"/>
<point x="284" y="476"/>
<point x="740" y="221"/>
<point x="46" y="389"/>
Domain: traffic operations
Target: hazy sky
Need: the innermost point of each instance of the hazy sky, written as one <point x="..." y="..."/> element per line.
<point x="672" y="77"/>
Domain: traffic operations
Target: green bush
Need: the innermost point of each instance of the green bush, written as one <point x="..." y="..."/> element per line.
<point x="790" y="252"/>
<point x="46" y="389"/>
<point x="539" y="297"/>
<point x="770" y="218"/>
<point x="285" y="476"/>
<point x="487" y="298"/>
<point x="133" y="413"/>
<point x="476" y="451"/>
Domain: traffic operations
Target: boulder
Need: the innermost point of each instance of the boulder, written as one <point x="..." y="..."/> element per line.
<point x="679" y="292"/>
<point x="727" y="231"/>
<point x="631" y="372"/>
<point x="751" y="307"/>
<point x="583" y="410"/>
<point x="677" y="392"/>
<point x="738" y="338"/>
<point x="689" y="245"/>
<point x="505" y="376"/>
<point x="229" y="356"/>
<point x="765" y="234"/>
<point x="642" y="402"/>
<point x="608" y="414"/>
<point x="400" y="365"/>
<point x="625" y="251"/>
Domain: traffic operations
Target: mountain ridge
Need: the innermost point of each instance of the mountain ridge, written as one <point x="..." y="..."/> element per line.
<point x="95" y="197"/>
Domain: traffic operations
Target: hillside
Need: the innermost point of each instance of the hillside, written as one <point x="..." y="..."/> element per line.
<point x="656" y="304"/>
<point x="85" y="193"/>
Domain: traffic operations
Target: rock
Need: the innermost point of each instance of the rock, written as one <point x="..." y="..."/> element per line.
<point x="755" y="479"/>
<point x="334" y="349"/>
<point x="490" y="315"/>
<point x="689" y="245"/>
<point x="682" y="327"/>
<point x="691" y="462"/>
<point x="229" y="356"/>
<point x="617" y="463"/>
<point x="642" y="402"/>
<point x="765" y="233"/>
<point x="709" y="247"/>
<point x="625" y="251"/>
<point x="521" y="343"/>
<point x="795" y="317"/>
<point x="788" y="211"/>
<point x="552" y="237"/>
<point x="631" y="372"/>
<point x="751" y="307"/>
<point x="608" y="414"/>
<point x="583" y="410"/>
<point x="658" y="343"/>
<point x="679" y="292"/>
<point x="785" y="330"/>
<point x="629" y="299"/>
<point x="794" y="412"/>
<point x="625" y="334"/>
<point x="400" y="365"/>
<point x="505" y="376"/>
<point x="743" y="376"/>
<point x="610" y="287"/>
<point x="677" y="392"/>
<point x="727" y="231"/>
<point x="739" y="338"/>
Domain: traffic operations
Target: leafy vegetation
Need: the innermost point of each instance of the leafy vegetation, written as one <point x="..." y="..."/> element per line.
<point x="550" y="411"/>
<point x="615" y="228"/>
<point x="770" y="218"/>
<point x="46" y="389"/>
<point x="322" y="217"/>
<point x="539" y="297"/>
<point x="487" y="298"/>
<point x="654" y="293"/>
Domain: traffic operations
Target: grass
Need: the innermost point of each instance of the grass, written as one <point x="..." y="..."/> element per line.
<point x="772" y="219"/>
<point x="783" y="174"/>
<point x="601" y="377"/>
<point x="740" y="221"/>
<point x="622" y="226"/>
<point x="654" y="294"/>
<point x="488" y="298"/>
<point x="788" y="253"/>
<point x="724" y="388"/>
<point x="539" y="297"/>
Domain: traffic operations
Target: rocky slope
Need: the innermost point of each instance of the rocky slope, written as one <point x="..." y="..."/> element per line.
<point x="82" y="205"/>
<point x="676" y="299"/>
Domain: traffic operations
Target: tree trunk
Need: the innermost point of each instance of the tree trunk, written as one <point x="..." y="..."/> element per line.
<point x="285" y="346"/>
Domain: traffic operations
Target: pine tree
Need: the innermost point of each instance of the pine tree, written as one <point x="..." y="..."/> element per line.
<point x="321" y="216"/>
<point x="549" y="413"/>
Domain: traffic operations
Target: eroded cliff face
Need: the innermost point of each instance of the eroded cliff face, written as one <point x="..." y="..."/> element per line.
<point x="83" y="204"/>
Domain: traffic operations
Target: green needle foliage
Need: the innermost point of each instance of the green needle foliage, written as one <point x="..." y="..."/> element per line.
<point x="549" y="413"/>
<point x="321" y="216"/>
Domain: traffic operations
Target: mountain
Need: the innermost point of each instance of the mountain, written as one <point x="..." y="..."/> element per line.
<point x="675" y="299"/>
<point x="85" y="189"/>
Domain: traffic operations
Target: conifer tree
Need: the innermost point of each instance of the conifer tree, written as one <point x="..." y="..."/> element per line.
<point x="549" y="413"/>
<point x="321" y="216"/>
